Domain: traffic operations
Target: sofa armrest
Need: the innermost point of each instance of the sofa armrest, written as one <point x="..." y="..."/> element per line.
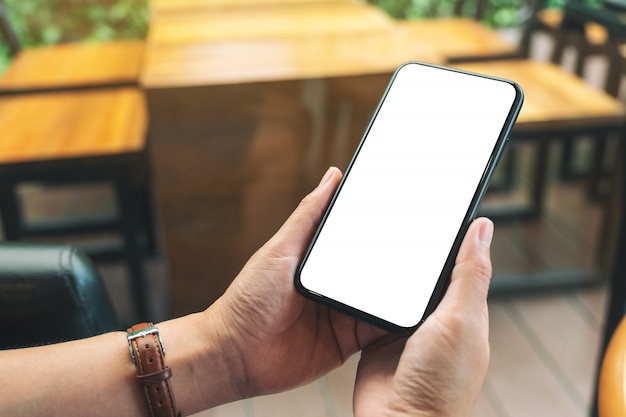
<point x="48" y="294"/>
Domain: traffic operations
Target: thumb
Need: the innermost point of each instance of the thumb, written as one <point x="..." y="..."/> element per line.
<point x="300" y="226"/>
<point x="472" y="271"/>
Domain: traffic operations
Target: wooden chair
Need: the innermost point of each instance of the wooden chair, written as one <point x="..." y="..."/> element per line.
<point x="588" y="39"/>
<point x="76" y="137"/>
<point x="542" y="20"/>
<point x="68" y="66"/>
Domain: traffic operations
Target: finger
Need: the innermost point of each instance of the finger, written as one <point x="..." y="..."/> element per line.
<point x="299" y="227"/>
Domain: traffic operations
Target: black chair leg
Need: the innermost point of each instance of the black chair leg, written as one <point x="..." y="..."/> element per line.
<point x="566" y="169"/>
<point x="597" y="169"/>
<point x="10" y="210"/>
<point x="537" y="191"/>
<point x="148" y="220"/>
<point x="129" y="212"/>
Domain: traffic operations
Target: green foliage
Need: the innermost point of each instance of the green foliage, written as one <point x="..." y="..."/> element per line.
<point x="555" y="3"/>
<point x="498" y="13"/>
<point x="4" y="58"/>
<point x="40" y="22"/>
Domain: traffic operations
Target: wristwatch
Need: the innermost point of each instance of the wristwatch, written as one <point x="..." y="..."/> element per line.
<point x="147" y="353"/>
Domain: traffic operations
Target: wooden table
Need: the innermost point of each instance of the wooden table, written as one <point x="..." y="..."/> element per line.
<point x="74" y="65"/>
<point x="553" y="99"/>
<point x="81" y="137"/>
<point x="454" y="39"/>
<point x="180" y="54"/>
<point x="191" y="70"/>
<point x="557" y="105"/>
<point x="459" y="38"/>
<point x="270" y="60"/>
<point x="275" y="43"/>
<point x="210" y="25"/>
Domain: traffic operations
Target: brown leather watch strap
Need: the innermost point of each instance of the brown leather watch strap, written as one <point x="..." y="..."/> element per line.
<point x="147" y="352"/>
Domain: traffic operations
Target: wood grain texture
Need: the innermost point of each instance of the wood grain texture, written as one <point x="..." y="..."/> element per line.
<point x="264" y="44"/>
<point x="553" y="98"/>
<point x="456" y="38"/>
<point x="265" y="22"/>
<point x="349" y="53"/>
<point x="292" y="58"/>
<point x="38" y="127"/>
<point x="74" y="65"/>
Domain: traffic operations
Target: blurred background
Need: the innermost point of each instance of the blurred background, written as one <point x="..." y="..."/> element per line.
<point x="42" y="22"/>
<point x="217" y="142"/>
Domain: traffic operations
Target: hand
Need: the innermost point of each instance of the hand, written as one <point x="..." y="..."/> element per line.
<point x="273" y="337"/>
<point x="439" y="370"/>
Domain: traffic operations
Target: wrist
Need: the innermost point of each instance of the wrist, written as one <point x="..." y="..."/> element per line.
<point x="202" y="369"/>
<point x="224" y="356"/>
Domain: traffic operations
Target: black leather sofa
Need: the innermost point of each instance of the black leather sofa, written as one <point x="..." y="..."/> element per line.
<point x="49" y="294"/>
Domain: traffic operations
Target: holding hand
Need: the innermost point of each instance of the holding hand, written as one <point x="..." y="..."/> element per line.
<point x="280" y="340"/>
<point x="261" y="337"/>
<point x="439" y="370"/>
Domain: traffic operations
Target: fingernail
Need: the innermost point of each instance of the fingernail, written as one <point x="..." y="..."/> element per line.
<point x="327" y="176"/>
<point x="485" y="234"/>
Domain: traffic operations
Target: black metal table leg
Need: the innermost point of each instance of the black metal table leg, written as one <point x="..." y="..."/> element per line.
<point x="127" y="197"/>
<point x="10" y="212"/>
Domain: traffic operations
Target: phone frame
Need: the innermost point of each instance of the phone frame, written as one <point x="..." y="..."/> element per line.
<point x="444" y="277"/>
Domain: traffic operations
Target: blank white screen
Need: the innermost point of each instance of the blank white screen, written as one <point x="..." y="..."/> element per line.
<point x="386" y="239"/>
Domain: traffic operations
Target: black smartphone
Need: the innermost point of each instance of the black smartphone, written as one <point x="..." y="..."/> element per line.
<point x="386" y="245"/>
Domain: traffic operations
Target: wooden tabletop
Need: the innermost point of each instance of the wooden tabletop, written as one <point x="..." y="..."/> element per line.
<point x="457" y="38"/>
<point x="295" y="58"/>
<point x="78" y="64"/>
<point x="72" y="124"/>
<point x="553" y="98"/>
<point x="265" y="22"/>
<point x="184" y="50"/>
